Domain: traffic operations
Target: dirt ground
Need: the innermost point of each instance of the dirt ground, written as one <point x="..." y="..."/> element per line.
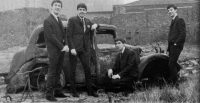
<point x="188" y="60"/>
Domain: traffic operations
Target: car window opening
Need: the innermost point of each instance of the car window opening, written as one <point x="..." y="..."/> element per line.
<point x="41" y="41"/>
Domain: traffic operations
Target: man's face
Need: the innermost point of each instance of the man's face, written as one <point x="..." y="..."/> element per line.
<point x="172" y="12"/>
<point x="56" y="8"/>
<point x="119" y="45"/>
<point x="82" y="12"/>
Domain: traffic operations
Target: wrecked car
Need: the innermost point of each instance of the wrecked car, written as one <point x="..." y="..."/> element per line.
<point x="31" y="63"/>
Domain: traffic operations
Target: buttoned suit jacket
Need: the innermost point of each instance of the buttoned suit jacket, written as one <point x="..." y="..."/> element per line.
<point x="77" y="38"/>
<point x="177" y="32"/>
<point x="54" y="34"/>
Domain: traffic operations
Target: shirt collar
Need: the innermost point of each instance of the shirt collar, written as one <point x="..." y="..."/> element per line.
<point x="55" y="16"/>
<point x="82" y="18"/>
<point x="174" y="17"/>
<point x="123" y="50"/>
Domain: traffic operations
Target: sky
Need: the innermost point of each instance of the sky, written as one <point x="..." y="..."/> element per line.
<point x="128" y="1"/>
<point x="69" y="6"/>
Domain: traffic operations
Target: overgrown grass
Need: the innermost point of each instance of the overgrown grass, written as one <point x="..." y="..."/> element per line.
<point x="186" y="92"/>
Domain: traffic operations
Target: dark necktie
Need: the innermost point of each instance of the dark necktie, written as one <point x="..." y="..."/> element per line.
<point x="172" y="21"/>
<point x="120" y="55"/>
<point x="120" y="59"/>
<point x="59" y="22"/>
<point x="83" y="21"/>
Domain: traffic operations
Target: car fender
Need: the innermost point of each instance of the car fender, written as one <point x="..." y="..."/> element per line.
<point x="146" y="61"/>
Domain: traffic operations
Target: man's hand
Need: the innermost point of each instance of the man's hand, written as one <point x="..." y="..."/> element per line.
<point x="175" y="44"/>
<point x="167" y="53"/>
<point x="116" y="76"/>
<point x="94" y="26"/>
<point x="110" y="73"/>
<point x="65" y="48"/>
<point x="64" y="23"/>
<point x="73" y="51"/>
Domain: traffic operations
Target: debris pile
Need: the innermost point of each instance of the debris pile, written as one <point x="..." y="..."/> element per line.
<point x="190" y="66"/>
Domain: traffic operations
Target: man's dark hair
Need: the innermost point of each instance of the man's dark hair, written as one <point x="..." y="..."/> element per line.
<point x="120" y="39"/>
<point x="81" y="5"/>
<point x="171" y="6"/>
<point x="56" y="1"/>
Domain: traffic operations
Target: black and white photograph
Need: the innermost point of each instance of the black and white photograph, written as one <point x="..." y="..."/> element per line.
<point x="99" y="51"/>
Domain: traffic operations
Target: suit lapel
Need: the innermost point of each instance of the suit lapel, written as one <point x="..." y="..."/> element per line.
<point x="56" y="22"/>
<point x="61" y="25"/>
<point x="123" y="58"/>
<point x="80" y="23"/>
<point x="173" y="21"/>
<point x="54" y="19"/>
<point x="87" y="25"/>
<point x="79" y="20"/>
<point x="124" y="54"/>
<point x="118" y="67"/>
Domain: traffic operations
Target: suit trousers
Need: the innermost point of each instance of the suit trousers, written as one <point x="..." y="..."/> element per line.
<point x="84" y="59"/>
<point x="54" y="70"/>
<point x="174" y="53"/>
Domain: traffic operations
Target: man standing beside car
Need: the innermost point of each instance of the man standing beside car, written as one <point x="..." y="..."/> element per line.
<point x="54" y="38"/>
<point x="79" y="34"/>
<point x="176" y="39"/>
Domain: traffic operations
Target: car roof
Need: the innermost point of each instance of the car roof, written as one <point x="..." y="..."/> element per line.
<point x="107" y="29"/>
<point x="35" y="34"/>
<point x="102" y="29"/>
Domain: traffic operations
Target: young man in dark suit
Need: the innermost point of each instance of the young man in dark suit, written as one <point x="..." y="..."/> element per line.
<point x="54" y="38"/>
<point x="176" y="39"/>
<point x="125" y="69"/>
<point x="79" y="34"/>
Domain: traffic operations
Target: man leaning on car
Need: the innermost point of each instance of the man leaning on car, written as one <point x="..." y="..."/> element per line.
<point x="79" y="34"/>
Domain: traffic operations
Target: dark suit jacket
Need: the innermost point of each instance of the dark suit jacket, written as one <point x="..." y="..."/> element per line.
<point x="77" y="38"/>
<point x="127" y="64"/>
<point x="54" y="34"/>
<point x="177" y="31"/>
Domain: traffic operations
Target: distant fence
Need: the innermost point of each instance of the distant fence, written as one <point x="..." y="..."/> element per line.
<point x="152" y="25"/>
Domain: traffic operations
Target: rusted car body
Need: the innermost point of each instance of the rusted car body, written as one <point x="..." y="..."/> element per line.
<point x="34" y="57"/>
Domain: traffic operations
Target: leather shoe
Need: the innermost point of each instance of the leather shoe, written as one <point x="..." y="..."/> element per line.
<point x="60" y="94"/>
<point x="51" y="98"/>
<point x="93" y="94"/>
<point x="49" y="95"/>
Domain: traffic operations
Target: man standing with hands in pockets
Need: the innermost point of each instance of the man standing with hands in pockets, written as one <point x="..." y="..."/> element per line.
<point x="79" y="34"/>
<point x="55" y="41"/>
<point x="176" y="40"/>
